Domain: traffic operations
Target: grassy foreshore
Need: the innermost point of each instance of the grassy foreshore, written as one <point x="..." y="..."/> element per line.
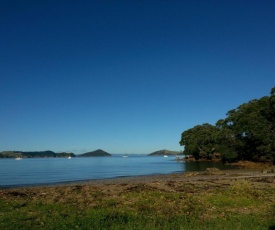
<point x="234" y="199"/>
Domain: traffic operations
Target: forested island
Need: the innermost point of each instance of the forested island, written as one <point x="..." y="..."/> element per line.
<point x="48" y="153"/>
<point x="247" y="133"/>
<point x="34" y="154"/>
<point x="165" y="152"/>
<point x="96" y="153"/>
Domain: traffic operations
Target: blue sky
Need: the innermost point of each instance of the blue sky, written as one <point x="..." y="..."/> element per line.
<point x="127" y="76"/>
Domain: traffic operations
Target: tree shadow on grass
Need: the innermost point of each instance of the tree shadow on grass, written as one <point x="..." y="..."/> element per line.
<point x="272" y="227"/>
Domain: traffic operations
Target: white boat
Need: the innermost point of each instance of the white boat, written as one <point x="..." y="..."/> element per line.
<point x="18" y="158"/>
<point x="125" y="154"/>
<point x="69" y="157"/>
<point x="165" y="156"/>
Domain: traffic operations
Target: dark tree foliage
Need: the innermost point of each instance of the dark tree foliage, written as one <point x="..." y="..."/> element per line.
<point x="252" y="125"/>
<point x="247" y="133"/>
<point x="200" y="141"/>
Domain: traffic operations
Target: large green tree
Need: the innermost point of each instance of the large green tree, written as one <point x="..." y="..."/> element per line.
<point x="252" y="126"/>
<point x="247" y="133"/>
<point x="200" y="141"/>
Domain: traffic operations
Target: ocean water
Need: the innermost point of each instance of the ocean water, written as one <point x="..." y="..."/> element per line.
<point x="36" y="171"/>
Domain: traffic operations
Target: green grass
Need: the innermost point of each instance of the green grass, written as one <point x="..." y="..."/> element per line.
<point x="238" y="206"/>
<point x="69" y="217"/>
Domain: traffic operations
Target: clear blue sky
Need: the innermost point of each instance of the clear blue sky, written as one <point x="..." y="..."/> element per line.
<point x="127" y="76"/>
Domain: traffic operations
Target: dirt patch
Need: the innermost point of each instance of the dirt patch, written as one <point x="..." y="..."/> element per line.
<point x="251" y="165"/>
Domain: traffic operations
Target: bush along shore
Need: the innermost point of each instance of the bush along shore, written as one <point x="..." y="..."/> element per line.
<point x="214" y="199"/>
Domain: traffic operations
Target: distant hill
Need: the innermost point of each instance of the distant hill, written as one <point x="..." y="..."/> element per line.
<point x="96" y="153"/>
<point x="165" y="152"/>
<point x="33" y="154"/>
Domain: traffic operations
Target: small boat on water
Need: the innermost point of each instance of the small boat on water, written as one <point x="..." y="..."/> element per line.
<point x="69" y="157"/>
<point x="165" y="156"/>
<point x="18" y="158"/>
<point x="125" y="154"/>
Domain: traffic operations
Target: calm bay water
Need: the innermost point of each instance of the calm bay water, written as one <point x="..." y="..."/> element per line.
<point x="35" y="171"/>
